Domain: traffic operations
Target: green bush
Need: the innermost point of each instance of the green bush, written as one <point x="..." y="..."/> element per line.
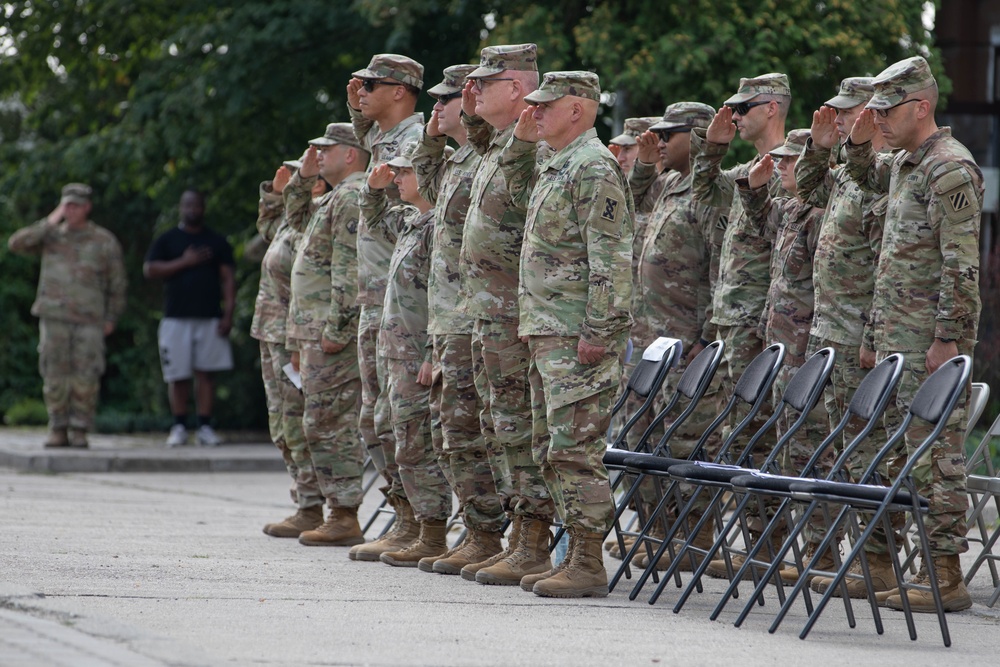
<point x="26" y="412"/>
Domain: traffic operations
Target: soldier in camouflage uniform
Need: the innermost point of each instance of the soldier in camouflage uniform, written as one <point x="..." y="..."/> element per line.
<point x="404" y="344"/>
<point x="322" y="325"/>
<point x="575" y="297"/>
<point x="926" y="303"/>
<point x="455" y="405"/>
<point x="81" y="295"/>
<point x="488" y="263"/>
<point x="624" y="147"/>
<point x="381" y="99"/>
<point x="284" y="400"/>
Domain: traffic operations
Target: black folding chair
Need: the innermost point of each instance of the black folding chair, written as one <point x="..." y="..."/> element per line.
<point x="983" y="485"/>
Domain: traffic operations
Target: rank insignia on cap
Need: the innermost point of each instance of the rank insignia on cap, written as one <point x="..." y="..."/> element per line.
<point x="610" y="209"/>
<point x="959" y="200"/>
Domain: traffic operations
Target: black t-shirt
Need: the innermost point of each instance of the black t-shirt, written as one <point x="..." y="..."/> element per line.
<point x="193" y="292"/>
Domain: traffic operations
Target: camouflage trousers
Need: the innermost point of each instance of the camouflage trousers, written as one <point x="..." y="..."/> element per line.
<point x="373" y="419"/>
<point x="285" y="406"/>
<point x="742" y="346"/>
<point x="71" y="363"/>
<point x="458" y="439"/>
<point x="571" y="408"/>
<point x="409" y="406"/>
<point x="500" y="367"/>
<point x="330" y="421"/>
<point x="939" y="475"/>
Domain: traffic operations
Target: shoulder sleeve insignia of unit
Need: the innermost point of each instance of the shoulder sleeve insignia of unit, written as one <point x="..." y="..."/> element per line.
<point x="610" y="209"/>
<point x="959" y="200"/>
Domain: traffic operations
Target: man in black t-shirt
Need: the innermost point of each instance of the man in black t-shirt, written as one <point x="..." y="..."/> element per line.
<point x="197" y="267"/>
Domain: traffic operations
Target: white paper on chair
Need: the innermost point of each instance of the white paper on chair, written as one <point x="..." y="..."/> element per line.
<point x="659" y="348"/>
<point x="293" y="375"/>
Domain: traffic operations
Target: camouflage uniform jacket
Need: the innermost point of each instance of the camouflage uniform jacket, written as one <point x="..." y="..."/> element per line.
<point x="647" y="187"/>
<point x="576" y="260"/>
<point x="373" y="252"/>
<point x="847" y="250"/>
<point x="446" y="184"/>
<point x="744" y="266"/>
<point x="789" y="310"/>
<point x="927" y="285"/>
<point x="82" y="279"/>
<point x="324" y="272"/>
<point x="403" y="333"/>
<point x="275" y="291"/>
<point x="678" y="265"/>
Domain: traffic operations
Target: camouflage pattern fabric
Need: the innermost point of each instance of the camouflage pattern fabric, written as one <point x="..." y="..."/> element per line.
<point x="373" y="417"/>
<point x="393" y="66"/>
<point x="71" y="363"/>
<point x="275" y="291"/>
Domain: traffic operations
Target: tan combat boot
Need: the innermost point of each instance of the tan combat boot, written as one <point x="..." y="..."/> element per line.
<point x="611" y="546"/>
<point x="56" y="438"/>
<point x="530" y="556"/>
<point x="78" y="438"/>
<point x="954" y="595"/>
<point x="341" y="529"/>
<point x="528" y="581"/>
<point x="717" y="568"/>
<point x="883" y="579"/>
<point x="404" y="531"/>
<point x="790" y="575"/>
<point x="479" y="545"/>
<point x="704" y="540"/>
<point x="584" y="576"/>
<point x="306" y="518"/>
<point x="469" y="571"/>
<point x="432" y="542"/>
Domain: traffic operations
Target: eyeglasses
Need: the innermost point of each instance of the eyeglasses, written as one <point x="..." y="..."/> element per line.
<point x="444" y="99"/>
<point x="369" y="84"/>
<point x="477" y="84"/>
<point x="664" y="135"/>
<point x="884" y="113"/>
<point x="743" y="108"/>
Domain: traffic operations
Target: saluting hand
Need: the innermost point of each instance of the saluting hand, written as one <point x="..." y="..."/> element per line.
<point x="526" y="128"/>
<point x="824" y="127"/>
<point x="761" y="172"/>
<point x="381" y="177"/>
<point x="310" y="163"/>
<point x="864" y="127"/>
<point x="469" y="99"/>
<point x="433" y="125"/>
<point x="57" y="215"/>
<point x="281" y="178"/>
<point x="649" y="147"/>
<point x="353" y="86"/>
<point x="722" y="129"/>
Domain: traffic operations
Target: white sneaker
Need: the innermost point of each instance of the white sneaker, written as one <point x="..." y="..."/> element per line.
<point x="178" y="436"/>
<point x="206" y="437"/>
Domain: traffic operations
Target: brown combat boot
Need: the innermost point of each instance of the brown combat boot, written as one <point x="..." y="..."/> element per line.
<point x="404" y="531"/>
<point x="306" y="518"/>
<point x="469" y="571"/>
<point x="790" y="575"/>
<point x="584" y="576"/>
<point x="78" y="438"/>
<point x="341" y="529"/>
<point x="954" y="595"/>
<point x="717" y="568"/>
<point x="704" y="540"/>
<point x="479" y="545"/>
<point x="528" y="581"/>
<point x="883" y="579"/>
<point x="530" y="556"/>
<point x="432" y="542"/>
<point x="56" y="438"/>
<point x="611" y="546"/>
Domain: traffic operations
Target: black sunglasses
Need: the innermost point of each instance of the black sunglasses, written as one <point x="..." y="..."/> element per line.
<point x="444" y="99"/>
<point x="743" y="108"/>
<point x="664" y="135"/>
<point x="369" y="84"/>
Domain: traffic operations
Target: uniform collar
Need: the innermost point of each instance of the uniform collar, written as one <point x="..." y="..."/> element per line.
<point x="917" y="156"/>
<point x="561" y="157"/>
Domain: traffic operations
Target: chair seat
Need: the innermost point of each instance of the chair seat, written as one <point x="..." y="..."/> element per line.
<point x="848" y="491"/>
<point x="650" y="463"/>
<point x="983" y="484"/>
<point x="615" y="458"/>
<point x="707" y="472"/>
<point x="764" y="482"/>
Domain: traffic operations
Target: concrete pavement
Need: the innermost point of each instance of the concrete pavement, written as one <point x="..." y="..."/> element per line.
<point x="173" y="569"/>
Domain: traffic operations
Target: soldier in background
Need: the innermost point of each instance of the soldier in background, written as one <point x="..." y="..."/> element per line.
<point x="81" y="295"/>
<point x="624" y="146"/>
<point x="575" y="298"/>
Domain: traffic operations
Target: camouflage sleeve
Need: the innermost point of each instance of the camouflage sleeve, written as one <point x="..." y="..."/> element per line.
<point x="297" y="197"/>
<point x="361" y="127"/>
<point x="517" y="162"/>
<point x="342" y="320"/>
<point x="429" y="165"/>
<point x="114" y="303"/>
<point x="714" y="222"/>
<point x="604" y="207"/>
<point x="955" y="207"/>
<point x="869" y="170"/>
<point x="873" y="225"/>
<point x="479" y="131"/>
<point x="639" y="179"/>
<point x="379" y="217"/>
<point x="31" y="239"/>
<point x="764" y="212"/>
<point x="270" y="211"/>
<point x="710" y="184"/>
<point x="813" y="175"/>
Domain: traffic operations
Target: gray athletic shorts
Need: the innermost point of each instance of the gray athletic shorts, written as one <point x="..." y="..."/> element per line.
<point x="192" y="344"/>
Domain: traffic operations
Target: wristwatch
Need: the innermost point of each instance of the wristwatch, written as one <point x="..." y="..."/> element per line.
<point x="947" y="340"/>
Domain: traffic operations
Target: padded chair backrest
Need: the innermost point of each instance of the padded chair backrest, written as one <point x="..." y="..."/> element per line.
<point x="931" y="402"/>
<point x="758" y="376"/>
<point x="875" y="385"/>
<point x="977" y="404"/>
<point x="809" y="381"/>
<point x="705" y="364"/>
<point x="647" y="376"/>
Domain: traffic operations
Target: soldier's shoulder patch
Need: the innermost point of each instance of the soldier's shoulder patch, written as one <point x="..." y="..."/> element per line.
<point x="955" y="188"/>
<point x="611" y="205"/>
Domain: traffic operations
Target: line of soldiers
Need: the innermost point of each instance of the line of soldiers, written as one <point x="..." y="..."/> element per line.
<point x="465" y="314"/>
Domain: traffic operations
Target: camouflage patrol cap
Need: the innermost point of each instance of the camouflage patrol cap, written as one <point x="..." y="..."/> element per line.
<point x="403" y="159"/>
<point x="765" y="84"/>
<point x="684" y="115"/>
<point x="854" y="90"/>
<point x="453" y="82"/>
<point x="296" y="164"/>
<point x="633" y="128"/>
<point x="337" y="133"/>
<point x="76" y="193"/>
<point x="556" y="85"/>
<point x="498" y="59"/>
<point x="794" y="143"/>
<point x="900" y="80"/>
<point x="395" y="67"/>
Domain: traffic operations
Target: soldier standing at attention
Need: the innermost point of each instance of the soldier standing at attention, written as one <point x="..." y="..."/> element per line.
<point x="926" y="303"/>
<point x="381" y="99"/>
<point x="455" y="405"/>
<point x="575" y="297"/>
<point x="488" y="264"/>
<point x="322" y="325"/>
<point x="81" y="295"/>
